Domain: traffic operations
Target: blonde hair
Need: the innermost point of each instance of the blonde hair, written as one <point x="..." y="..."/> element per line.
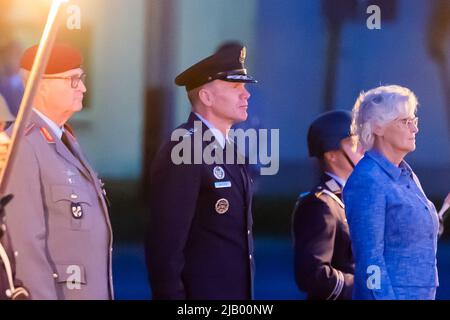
<point x="380" y="106"/>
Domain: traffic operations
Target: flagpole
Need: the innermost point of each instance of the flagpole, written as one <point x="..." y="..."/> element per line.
<point x="39" y="65"/>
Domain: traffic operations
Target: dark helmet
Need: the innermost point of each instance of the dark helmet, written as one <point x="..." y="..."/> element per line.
<point x="327" y="131"/>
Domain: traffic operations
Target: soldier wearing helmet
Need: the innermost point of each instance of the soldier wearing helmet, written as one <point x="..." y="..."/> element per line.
<point x="324" y="265"/>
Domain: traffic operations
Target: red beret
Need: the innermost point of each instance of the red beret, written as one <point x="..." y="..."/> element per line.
<point x="62" y="58"/>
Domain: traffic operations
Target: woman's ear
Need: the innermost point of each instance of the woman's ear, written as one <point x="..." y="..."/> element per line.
<point x="379" y="130"/>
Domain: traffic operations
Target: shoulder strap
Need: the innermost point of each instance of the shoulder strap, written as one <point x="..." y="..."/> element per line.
<point x="331" y="195"/>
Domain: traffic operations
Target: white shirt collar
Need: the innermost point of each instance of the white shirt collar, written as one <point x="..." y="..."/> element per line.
<point x="56" y="130"/>
<point x="217" y="134"/>
<point x="338" y="179"/>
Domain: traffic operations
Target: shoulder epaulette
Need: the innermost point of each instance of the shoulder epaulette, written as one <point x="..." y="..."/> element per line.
<point x="303" y="194"/>
<point x="190" y="132"/>
<point x="318" y="194"/>
<point x="47" y="135"/>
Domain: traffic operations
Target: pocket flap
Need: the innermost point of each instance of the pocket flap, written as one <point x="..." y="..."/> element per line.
<point x="74" y="273"/>
<point x="69" y="193"/>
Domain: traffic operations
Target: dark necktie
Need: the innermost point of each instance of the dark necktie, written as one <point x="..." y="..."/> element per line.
<point x="69" y="145"/>
<point x="238" y="158"/>
<point x="65" y="140"/>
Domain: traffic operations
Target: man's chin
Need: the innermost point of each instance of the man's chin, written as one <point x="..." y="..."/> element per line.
<point x="77" y="107"/>
<point x="244" y="117"/>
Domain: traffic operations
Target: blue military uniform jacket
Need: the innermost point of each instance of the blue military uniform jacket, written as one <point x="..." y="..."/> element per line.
<point x="199" y="242"/>
<point x="323" y="261"/>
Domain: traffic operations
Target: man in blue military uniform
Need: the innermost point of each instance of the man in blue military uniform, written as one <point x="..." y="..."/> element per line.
<point x="199" y="242"/>
<point x="324" y="265"/>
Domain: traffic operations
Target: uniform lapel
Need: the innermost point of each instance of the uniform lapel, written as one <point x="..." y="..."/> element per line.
<point x="234" y="169"/>
<point x="333" y="188"/>
<point x="332" y="185"/>
<point x="60" y="148"/>
<point x="93" y="177"/>
<point x="77" y="150"/>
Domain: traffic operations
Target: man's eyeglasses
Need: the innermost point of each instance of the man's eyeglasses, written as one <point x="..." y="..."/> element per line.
<point x="74" y="80"/>
<point x="407" y="122"/>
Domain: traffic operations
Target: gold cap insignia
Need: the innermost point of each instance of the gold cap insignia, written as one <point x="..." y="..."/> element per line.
<point x="243" y="55"/>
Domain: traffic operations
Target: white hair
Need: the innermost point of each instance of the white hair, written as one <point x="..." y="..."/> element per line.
<point x="380" y="106"/>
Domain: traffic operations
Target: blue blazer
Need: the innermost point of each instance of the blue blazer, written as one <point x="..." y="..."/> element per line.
<point x="393" y="227"/>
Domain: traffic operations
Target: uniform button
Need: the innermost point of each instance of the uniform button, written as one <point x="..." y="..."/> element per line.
<point x="408" y="186"/>
<point x="250" y="256"/>
<point x="111" y="249"/>
<point x="73" y="196"/>
<point x="426" y="208"/>
<point x="16" y="253"/>
<point x="55" y="276"/>
<point x="248" y="232"/>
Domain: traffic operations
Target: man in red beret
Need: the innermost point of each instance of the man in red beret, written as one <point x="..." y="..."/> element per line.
<point x="58" y="219"/>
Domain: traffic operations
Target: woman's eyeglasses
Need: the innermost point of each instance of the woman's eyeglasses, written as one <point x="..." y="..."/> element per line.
<point x="407" y="122"/>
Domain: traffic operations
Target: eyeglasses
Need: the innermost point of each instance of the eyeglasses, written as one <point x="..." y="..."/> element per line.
<point x="74" y="80"/>
<point x="407" y="122"/>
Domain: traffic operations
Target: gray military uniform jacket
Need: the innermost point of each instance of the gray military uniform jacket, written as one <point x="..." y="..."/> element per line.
<point x="58" y="219"/>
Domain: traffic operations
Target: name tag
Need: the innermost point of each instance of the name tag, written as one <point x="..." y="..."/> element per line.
<point x="222" y="184"/>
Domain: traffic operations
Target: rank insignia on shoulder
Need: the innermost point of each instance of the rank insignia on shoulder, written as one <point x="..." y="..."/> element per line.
<point x="48" y="137"/>
<point x="190" y="132"/>
<point x="303" y="194"/>
<point x="77" y="210"/>
<point x="218" y="172"/>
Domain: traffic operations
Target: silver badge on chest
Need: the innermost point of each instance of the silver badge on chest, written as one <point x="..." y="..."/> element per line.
<point x="219" y="173"/>
<point x="77" y="210"/>
<point x="70" y="176"/>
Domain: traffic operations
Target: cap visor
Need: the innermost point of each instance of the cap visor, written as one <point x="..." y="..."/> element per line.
<point x="240" y="78"/>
